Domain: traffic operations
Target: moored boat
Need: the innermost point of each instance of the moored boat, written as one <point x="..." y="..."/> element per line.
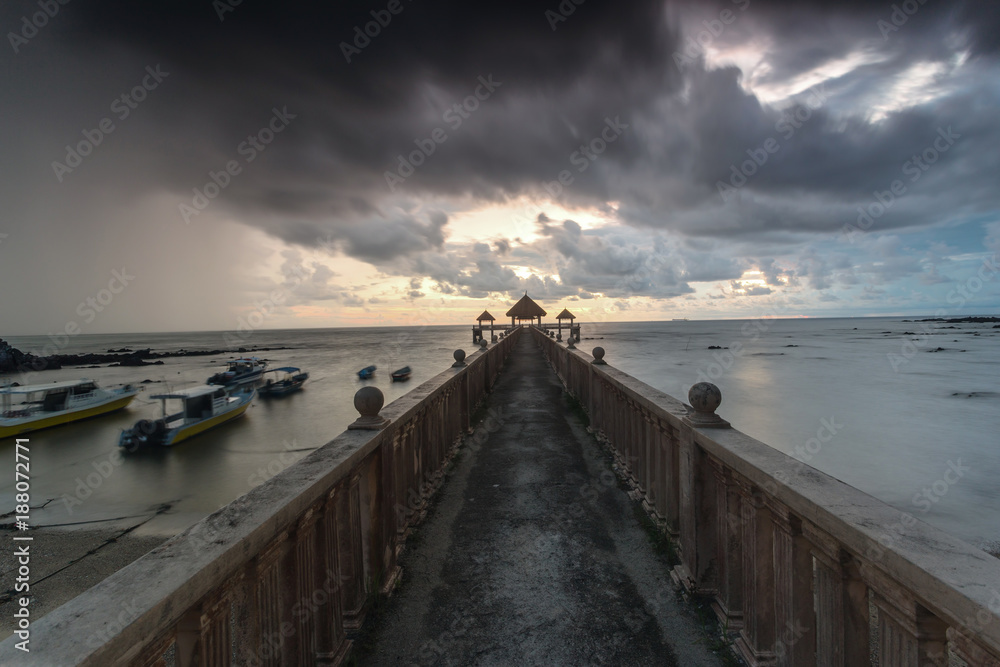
<point x="366" y="372"/>
<point x="239" y="371"/>
<point x="33" y="407"/>
<point x="401" y="374"/>
<point x="282" y="385"/>
<point x="200" y="408"/>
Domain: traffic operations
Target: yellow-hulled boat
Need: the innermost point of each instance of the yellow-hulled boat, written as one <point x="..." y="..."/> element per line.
<point x="29" y="408"/>
<point x="201" y="408"/>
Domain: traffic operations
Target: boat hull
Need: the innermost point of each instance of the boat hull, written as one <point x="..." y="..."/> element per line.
<point x="247" y="378"/>
<point x="185" y="432"/>
<point x="283" y="390"/>
<point x="29" y="424"/>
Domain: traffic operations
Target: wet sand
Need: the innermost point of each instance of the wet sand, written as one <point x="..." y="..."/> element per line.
<point x="64" y="564"/>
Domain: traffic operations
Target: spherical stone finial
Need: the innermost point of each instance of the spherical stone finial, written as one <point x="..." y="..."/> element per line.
<point x="368" y="401"/>
<point x="569" y="344"/>
<point x="705" y="398"/>
<point x="494" y="338"/>
<point x="459" y="358"/>
<point x="483" y="343"/>
<point x="599" y="356"/>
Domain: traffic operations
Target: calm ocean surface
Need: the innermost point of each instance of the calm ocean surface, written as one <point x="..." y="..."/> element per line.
<point x="896" y="431"/>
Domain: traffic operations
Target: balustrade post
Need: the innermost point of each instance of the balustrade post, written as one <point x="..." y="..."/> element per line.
<point x="795" y="617"/>
<point x="421" y="434"/>
<point x="203" y="638"/>
<point x="596" y="397"/>
<point x="246" y="616"/>
<point x="301" y="578"/>
<point x="908" y="633"/>
<point x="671" y="476"/>
<point x="351" y="551"/>
<point x="697" y="517"/>
<point x="383" y="515"/>
<point x="757" y="637"/>
<point x="728" y="604"/>
<point x="634" y="422"/>
<point x="400" y="475"/>
<point x="271" y="601"/>
<point x="650" y="461"/>
<point x="331" y="643"/>
<point x="841" y="604"/>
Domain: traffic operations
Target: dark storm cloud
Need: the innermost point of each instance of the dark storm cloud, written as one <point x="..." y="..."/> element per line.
<point x="321" y="180"/>
<point x="323" y="176"/>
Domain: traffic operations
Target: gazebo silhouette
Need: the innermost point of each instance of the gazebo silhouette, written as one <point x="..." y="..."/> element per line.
<point x="526" y="309"/>
<point x="565" y="315"/>
<point x="477" y="331"/>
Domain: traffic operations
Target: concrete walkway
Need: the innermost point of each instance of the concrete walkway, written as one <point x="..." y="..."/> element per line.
<point x="532" y="554"/>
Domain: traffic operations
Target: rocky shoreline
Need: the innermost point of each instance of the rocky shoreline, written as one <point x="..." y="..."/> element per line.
<point x="13" y="360"/>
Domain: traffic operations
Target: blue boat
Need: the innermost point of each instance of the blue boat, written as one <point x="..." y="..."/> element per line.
<point x="366" y="372"/>
<point x="402" y="374"/>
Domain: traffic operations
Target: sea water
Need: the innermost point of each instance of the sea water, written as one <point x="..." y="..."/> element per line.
<point x="871" y="401"/>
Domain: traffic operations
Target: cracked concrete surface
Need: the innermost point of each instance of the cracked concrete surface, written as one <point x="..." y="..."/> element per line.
<point x="532" y="554"/>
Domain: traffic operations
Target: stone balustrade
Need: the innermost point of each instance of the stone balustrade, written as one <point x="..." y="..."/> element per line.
<point x="283" y="574"/>
<point x="803" y="568"/>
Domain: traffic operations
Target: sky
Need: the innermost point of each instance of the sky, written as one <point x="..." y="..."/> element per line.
<point x="212" y="165"/>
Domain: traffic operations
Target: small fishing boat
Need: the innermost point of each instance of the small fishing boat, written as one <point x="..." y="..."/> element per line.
<point x="240" y="371"/>
<point x="366" y="372"/>
<point x="33" y="407"/>
<point x="198" y="409"/>
<point x="401" y="374"/>
<point x="282" y="385"/>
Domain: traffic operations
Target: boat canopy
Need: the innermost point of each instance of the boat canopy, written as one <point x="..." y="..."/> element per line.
<point x="54" y="386"/>
<point x="192" y="392"/>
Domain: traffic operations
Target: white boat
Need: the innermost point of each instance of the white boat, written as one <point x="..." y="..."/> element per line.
<point x="33" y="407"/>
<point x="240" y="371"/>
<point x="198" y="409"/>
<point x="282" y="385"/>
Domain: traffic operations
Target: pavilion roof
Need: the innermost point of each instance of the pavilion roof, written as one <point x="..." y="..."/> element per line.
<point x="565" y="315"/>
<point x="485" y="316"/>
<point x="526" y="309"/>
